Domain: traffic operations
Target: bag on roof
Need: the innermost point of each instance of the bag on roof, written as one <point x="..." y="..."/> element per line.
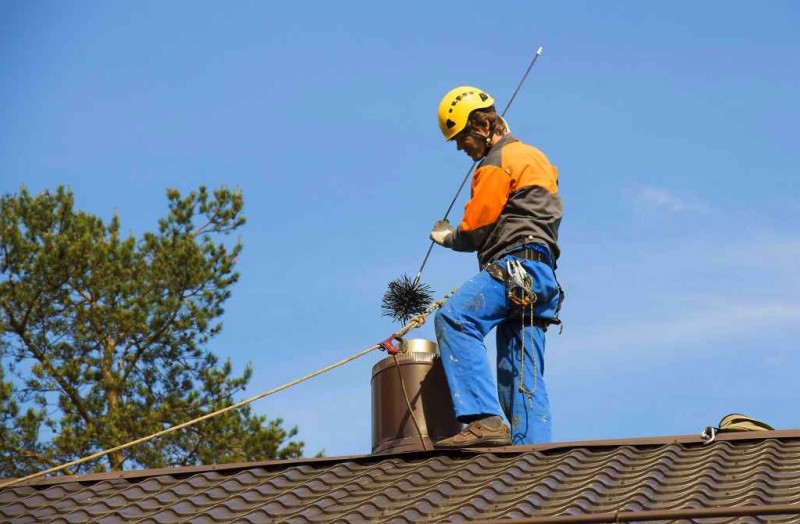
<point x="738" y="422"/>
<point x="732" y="423"/>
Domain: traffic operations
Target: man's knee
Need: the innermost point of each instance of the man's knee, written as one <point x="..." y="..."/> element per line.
<point x="445" y="318"/>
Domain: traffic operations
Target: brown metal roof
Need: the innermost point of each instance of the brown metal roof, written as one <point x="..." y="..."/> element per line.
<point x="742" y="477"/>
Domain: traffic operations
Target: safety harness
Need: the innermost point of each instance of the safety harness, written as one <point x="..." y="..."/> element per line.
<point x="519" y="285"/>
<point x="519" y="291"/>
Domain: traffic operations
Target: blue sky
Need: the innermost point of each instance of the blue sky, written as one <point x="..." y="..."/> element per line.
<point x="674" y="127"/>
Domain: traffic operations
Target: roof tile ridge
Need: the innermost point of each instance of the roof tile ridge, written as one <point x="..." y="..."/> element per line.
<point x="650" y="485"/>
<point x="281" y="492"/>
<point x="534" y="483"/>
<point x="151" y="513"/>
<point x="426" y="493"/>
<point x="436" y="489"/>
<point x="195" y="469"/>
<point x="188" y="480"/>
<point x="119" y="491"/>
<point x="383" y="464"/>
<point x="49" y="508"/>
<point x="73" y="495"/>
<point x="684" y="440"/>
<point x="169" y="483"/>
<point x="481" y="490"/>
<point x="520" y="472"/>
<point x="773" y="451"/>
<point x="548" y="447"/>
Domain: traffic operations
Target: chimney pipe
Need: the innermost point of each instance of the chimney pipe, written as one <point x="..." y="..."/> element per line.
<point x="393" y="429"/>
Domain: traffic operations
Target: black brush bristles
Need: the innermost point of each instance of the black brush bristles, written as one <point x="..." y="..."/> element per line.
<point x="406" y="298"/>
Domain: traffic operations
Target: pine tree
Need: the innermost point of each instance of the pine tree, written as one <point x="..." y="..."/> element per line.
<point x="103" y="337"/>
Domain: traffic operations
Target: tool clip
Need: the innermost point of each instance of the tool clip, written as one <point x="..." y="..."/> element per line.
<point x="390" y="348"/>
<point x="519" y="284"/>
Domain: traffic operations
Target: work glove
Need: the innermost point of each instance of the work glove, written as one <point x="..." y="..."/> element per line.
<point x="443" y="233"/>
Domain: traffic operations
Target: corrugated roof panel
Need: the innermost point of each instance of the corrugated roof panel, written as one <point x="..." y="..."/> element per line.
<point x="508" y="483"/>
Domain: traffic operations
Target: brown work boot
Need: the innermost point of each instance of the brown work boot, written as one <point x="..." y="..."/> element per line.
<point x="479" y="433"/>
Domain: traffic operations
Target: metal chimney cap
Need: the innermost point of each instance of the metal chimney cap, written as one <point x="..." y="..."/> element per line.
<point x="418" y="345"/>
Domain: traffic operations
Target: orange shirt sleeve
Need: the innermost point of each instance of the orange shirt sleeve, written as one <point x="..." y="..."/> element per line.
<point x="491" y="186"/>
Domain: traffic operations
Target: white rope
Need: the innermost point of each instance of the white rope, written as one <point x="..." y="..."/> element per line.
<point x="412" y="324"/>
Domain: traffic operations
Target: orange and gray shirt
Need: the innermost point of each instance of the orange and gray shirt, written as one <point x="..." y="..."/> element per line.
<point x="514" y="201"/>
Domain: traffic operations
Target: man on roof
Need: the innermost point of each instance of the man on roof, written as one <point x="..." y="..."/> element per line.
<point x="511" y="221"/>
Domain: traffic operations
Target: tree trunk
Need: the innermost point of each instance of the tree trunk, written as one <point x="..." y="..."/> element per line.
<point x="112" y="397"/>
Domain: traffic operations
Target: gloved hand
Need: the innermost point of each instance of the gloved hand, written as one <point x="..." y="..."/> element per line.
<point x="443" y="233"/>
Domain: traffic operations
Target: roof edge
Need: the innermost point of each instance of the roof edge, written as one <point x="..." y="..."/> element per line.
<point x="548" y="447"/>
<point x="648" y="441"/>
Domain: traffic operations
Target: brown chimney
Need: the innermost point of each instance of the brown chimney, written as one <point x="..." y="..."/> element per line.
<point x="393" y="429"/>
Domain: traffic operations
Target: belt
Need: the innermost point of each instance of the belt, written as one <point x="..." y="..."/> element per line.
<point x="530" y="254"/>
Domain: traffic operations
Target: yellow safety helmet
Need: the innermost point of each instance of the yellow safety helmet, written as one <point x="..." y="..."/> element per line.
<point x="457" y="104"/>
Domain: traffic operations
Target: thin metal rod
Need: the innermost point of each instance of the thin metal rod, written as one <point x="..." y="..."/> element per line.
<point x="469" y="171"/>
<point x="522" y="81"/>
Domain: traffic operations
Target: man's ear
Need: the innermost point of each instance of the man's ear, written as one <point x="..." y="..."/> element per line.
<point x="484" y="129"/>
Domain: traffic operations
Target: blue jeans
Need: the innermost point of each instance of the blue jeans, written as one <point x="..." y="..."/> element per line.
<point x="461" y="325"/>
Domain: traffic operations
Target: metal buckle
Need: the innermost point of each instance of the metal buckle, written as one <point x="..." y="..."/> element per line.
<point x="520" y="285"/>
<point x="709" y="435"/>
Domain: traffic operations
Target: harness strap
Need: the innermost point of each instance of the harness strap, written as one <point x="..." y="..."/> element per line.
<point x="500" y="274"/>
<point x="530" y="254"/>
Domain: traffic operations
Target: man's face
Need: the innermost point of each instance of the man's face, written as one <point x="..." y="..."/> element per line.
<point x="472" y="142"/>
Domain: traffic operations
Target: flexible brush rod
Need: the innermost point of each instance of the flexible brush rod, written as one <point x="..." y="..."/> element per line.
<point x="522" y="80"/>
<point x="469" y="171"/>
